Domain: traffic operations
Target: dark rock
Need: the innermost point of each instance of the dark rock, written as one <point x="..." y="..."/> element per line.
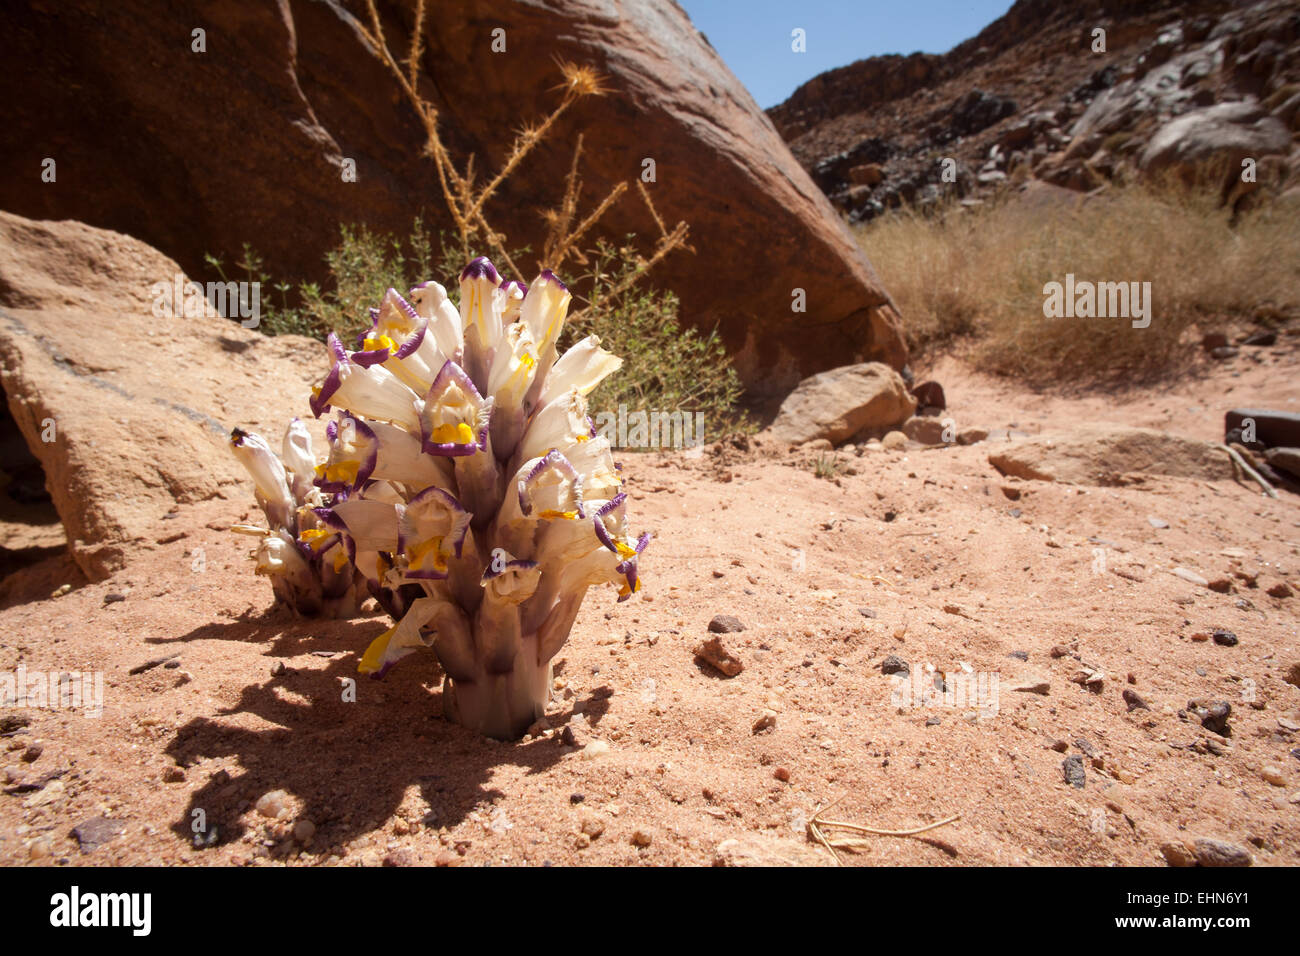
<point x="894" y="665"/>
<point x="1019" y="655"/>
<point x="929" y="394"/>
<point x="1285" y="459"/>
<point x="1261" y="338"/>
<point x="725" y="624"/>
<point x="1225" y="638"/>
<point x="1075" y="775"/>
<point x="1273" y="429"/>
<point x="1213" y="715"/>
<point x="1213" y="340"/>
<point x="96" y="831"/>
<point x="1134" y="700"/>
<point x="1224" y="353"/>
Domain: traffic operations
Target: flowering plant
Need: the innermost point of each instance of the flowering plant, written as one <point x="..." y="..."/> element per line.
<point x="465" y="488"/>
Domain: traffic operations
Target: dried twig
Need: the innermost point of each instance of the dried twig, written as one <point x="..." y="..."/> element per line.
<point x="466" y="203"/>
<point x="817" y="827"/>
<point x="1240" y="462"/>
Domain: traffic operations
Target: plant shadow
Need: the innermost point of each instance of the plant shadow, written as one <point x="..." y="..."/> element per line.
<point x="349" y="759"/>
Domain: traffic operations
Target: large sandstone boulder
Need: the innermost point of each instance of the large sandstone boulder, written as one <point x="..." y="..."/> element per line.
<point x="843" y="402"/>
<point x="127" y="413"/>
<point x="199" y="152"/>
<point x="1102" y="454"/>
<point x="1226" y="134"/>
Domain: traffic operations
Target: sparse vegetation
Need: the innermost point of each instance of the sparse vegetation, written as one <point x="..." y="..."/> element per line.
<point x="668" y="367"/>
<point x="975" y="277"/>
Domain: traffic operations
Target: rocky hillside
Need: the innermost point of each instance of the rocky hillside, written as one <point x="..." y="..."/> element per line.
<point x="1177" y="84"/>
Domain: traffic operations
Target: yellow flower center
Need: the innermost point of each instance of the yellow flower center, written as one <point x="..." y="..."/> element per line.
<point x="315" y="538"/>
<point x="373" y="343"/>
<point x="427" y="554"/>
<point x="458" y="434"/>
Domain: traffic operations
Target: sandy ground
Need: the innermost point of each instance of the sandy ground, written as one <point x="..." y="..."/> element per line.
<point x="918" y="554"/>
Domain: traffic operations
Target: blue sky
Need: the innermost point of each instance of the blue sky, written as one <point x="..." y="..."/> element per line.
<point x="754" y="36"/>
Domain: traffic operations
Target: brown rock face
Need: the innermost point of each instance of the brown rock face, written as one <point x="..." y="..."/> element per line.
<point x="129" y="413"/>
<point x="198" y="152"/>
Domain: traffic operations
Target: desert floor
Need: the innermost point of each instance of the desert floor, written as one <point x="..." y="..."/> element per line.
<point x="921" y="554"/>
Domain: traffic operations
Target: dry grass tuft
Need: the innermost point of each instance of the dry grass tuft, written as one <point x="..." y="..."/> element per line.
<point x="979" y="275"/>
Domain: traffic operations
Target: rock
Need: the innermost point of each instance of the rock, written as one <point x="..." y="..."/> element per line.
<point x="1191" y="577"/>
<point x="1221" y="853"/>
<point x="32" y="753"/>
<point x="1177" y="854"/>
<point x="1075" y="775"/>
<point x="397" y="858"/>
<point x="1160" y="524"/>
<point x="867" y="174"/>
<point x="642" y="837"/>
<point x="1261" y="339"/>
<point x="927" y="431"/>
<point x="755" y="850"/>
<point x="782" y="774"/>
<point x="1134" y="700"/>
<point x="725" y="624"/>
<point x="1220" y="585"/>
<point x="894" y="665"/>
<point x="765" y="722"/>
<point x="265" y="126"/>
<point x="1213" y="715"/>
<point x="1030" y="684"/>
<point x="894" y="441"/>
<point x="95" y="832"/>
<point x="712" y="653"/>
<point x="174" y="775"/>
<point x="1285" y="459"/>
<point x="929" y="394"/>
<point x="1225" y="638"/>
<point x="1274" y="775"/>
<point x="76" y="334"/>
<point x="1224" y="353"/>
<point x="1213" y="340"/>
<point x="594" y="749"/>
<point x="274" y="804"/>
<point x="592" y="825"/>
<point x="972" y="436"/>
<point x="1092" y="455"/>
<point x="1011" y="492"/>
<point x="303" y="831"/>
<point x="1273" y="429"/>
<point x="1225" y="133"/>
<point x="842" y="402"/>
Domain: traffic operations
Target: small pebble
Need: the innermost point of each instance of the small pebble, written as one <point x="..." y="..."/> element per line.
<point x="1225" y="638"/>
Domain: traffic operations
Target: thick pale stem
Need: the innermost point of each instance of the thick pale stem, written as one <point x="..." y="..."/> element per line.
<point x="501" y="705"/>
